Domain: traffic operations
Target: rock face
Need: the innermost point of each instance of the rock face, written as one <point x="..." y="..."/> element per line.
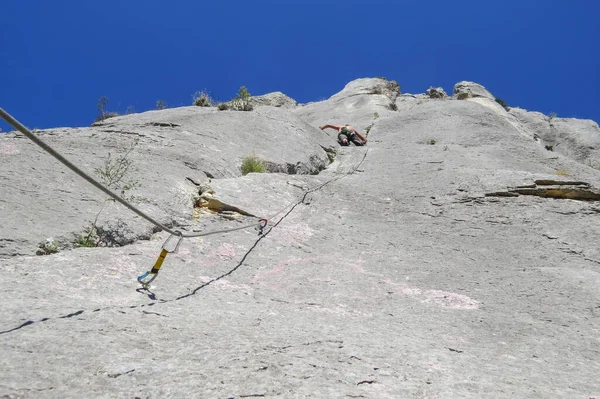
<point x="465" y="89"/>
<point x="177" y="150"/>
<point x="391" y="273"/>
<point x="575" y="138"/>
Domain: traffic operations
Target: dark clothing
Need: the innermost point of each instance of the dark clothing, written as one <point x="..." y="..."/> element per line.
<point x="346" y="136"/>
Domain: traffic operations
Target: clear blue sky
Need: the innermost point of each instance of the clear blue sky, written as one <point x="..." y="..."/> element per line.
<point x="58" y="57"/>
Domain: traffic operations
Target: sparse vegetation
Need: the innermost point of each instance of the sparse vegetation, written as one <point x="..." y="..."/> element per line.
<point x="551" y="116"/>
<point x="393" y="106"/>
<point x="89" y="237"/>
<point x="504" y="105"/>
<point x="241" y="102"/>
<point x="549" y="147"/>
<point x="376" y="115"/>
<point x="160" y="104"/>
<point x="102" y="110"/>
<point x="47" y="247"/>
<point x="253" y="164"/>
<point x="113" y="175"/>
<point x="130" y="110"/>
<point x="562" y="172"/>
<point x="113" y="172"/>
<point x="368" y="129"/>
<point x="222" y="106"/>
<point x="431" y="142"/>
<point x="463" y="96"/>
<point x="202" y="99"/>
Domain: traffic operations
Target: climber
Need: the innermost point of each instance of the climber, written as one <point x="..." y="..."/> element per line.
<point x="347" y="133"/>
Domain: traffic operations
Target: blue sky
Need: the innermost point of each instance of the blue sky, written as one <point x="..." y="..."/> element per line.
<point x="58" y="57"/>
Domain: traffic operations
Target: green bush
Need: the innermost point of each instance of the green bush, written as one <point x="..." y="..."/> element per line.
<point x="253" y="164"/>
<point x="241" y="102"/>
<point x="202" y="99"/>
<point x="222" y="106"/>
<point x="504" y="105"/>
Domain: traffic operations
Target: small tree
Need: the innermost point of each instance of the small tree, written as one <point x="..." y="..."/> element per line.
<point x="102" y="111"/>
<point x="102" y="104"/>
<point x="241" y="102"/>
<point x="160" y="104"/>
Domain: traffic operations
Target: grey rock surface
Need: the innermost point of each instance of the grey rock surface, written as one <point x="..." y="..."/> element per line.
<point x="578" y="139"/>
<point x="436" y="92"/>
<point x="471" y="89"/>
<point x="390" y="274"/>
<point x="275" y="99"/>
<point x="178" y="149"/>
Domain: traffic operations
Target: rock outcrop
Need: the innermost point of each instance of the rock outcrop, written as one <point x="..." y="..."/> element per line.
<point x="275" y="99"/>
<point x="577" y="139"/>
<point x="436" y="92"/>
<point x="392" y="271"/>
<point x="463" y="90"/>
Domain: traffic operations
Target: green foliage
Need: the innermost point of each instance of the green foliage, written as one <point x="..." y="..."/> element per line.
<point x="241" y="102"/>
<point x="112" y="173"/>
<point x="368" y="129"/>
<point x="393" y="106"/>
<point x="222" y="106"/>
<point x="160" y="104"/>
<point x="253" y="164"/>
<point x="504" y="105"/>
<point x="376" y="115"/>
<point x="89" y="237"/>
<point x="202" y="99"/>
<point x="431" y="142"/>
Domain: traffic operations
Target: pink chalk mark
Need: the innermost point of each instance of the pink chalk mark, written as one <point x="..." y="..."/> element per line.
<point x="443" y="298"/>
<point x="450" y="300"/>
<point x="8" y="149"/>
<point x="279" y="268"/>
<point x="293" y="233"/>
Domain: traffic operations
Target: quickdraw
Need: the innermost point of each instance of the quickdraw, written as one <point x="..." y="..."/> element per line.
<point x="153" y="273"/>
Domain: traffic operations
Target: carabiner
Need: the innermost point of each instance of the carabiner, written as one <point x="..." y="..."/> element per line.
<point x="262" y="223"/>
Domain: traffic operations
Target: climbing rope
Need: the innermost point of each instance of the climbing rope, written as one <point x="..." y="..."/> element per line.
<point x="153" y="273"/>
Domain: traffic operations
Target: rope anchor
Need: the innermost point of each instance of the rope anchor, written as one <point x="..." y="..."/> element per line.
<point x="153" y="273"/>
<point x="262" y="223"/>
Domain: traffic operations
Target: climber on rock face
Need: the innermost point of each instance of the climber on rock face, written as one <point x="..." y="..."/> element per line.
<point x="346" y="134"/>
